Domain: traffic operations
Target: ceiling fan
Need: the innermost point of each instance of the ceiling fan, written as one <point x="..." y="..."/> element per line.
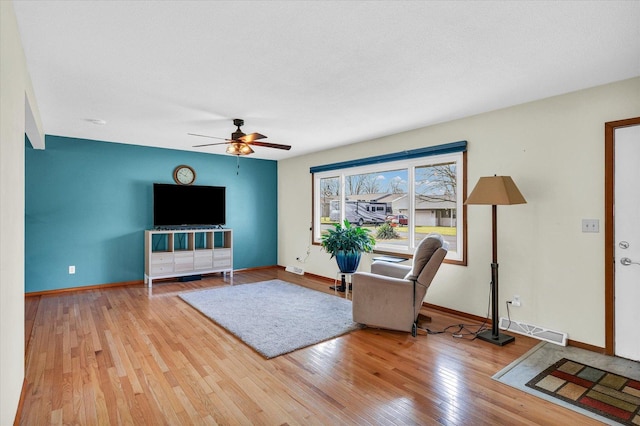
<point x="239" y="142"/>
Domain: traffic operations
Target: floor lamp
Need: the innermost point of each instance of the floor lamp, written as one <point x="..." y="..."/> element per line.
<point x="495" y="190"/>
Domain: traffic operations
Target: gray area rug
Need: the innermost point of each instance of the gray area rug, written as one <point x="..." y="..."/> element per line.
<point x="275" y="317"/>
<point x="545" y="354"/>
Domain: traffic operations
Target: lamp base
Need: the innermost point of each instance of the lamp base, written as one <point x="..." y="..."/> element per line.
<point x="500" y="339"/>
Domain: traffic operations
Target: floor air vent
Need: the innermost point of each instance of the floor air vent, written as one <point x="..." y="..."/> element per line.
<point x="534" y="331"/>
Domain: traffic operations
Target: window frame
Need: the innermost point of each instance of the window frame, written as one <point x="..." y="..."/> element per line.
<point x="409" y="164"/>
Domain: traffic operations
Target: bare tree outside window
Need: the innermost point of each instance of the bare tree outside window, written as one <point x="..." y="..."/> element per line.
<point x="330" y="187"/>
<point x="329" y="191"/>
<point x="436" y="183"/>
<point x="397" y="185"/>
<point x="362" y="184"/>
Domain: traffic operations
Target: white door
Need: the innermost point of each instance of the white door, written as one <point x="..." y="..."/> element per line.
<point x="627" y="241"/>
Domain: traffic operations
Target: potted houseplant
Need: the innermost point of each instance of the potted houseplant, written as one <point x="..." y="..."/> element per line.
<point x="347" y="243"/>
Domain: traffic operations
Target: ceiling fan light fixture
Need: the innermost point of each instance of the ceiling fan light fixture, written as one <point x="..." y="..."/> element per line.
<point x="239" y="148"/>
<point x="239" y="144"/>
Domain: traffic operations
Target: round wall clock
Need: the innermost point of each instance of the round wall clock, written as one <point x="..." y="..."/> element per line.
<point x="184" y="175"/>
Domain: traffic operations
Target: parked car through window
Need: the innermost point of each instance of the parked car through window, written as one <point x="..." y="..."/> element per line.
<point x="398" y="219"/>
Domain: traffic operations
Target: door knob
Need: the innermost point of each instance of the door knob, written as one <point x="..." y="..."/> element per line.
<point x="626" y="261"/>
<point x="623" y="245"/>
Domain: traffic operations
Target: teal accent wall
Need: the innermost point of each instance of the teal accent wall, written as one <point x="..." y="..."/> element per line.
<point x="89" y="202"/>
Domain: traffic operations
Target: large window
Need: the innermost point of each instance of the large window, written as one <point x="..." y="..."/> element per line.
<point x="401" y="201"/>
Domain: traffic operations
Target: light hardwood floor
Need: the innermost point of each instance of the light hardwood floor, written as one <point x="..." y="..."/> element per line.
<point x="124" y="356"/>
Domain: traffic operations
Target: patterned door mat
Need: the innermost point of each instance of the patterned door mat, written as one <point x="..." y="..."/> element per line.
<point x="601" y="392"/>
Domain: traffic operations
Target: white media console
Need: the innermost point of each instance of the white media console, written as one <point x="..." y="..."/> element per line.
<point x="186" y="252"/>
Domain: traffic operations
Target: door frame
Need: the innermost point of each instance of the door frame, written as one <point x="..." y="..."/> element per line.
<point x="609" y="229"/>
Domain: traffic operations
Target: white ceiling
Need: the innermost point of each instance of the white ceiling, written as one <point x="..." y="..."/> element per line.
<point x="315" y="74"/>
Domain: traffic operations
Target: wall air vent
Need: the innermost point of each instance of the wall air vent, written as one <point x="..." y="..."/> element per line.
<point x="531" y="330"/>
<point x="295" y="270"/>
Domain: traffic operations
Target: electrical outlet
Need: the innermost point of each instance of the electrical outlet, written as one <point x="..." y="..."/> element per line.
<point x="590" y="225"/>
<point x="72" y="269"/>
<point x="516" y="301"/>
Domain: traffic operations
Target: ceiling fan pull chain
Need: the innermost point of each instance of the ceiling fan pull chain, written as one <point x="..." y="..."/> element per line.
<point x="237" y="165"/>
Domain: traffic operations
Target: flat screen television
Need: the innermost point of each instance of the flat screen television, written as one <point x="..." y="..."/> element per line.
<point x="188" y="205"/>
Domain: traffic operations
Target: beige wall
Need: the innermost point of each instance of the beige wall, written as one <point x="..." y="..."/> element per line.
<point x="15" y="86"/>
<point x="553" y="149"/>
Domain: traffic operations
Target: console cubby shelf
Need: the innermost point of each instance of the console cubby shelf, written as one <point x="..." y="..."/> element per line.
<point x="185" y="252"/>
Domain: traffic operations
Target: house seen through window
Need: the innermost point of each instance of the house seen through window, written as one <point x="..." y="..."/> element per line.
<point x="401" y="202"/>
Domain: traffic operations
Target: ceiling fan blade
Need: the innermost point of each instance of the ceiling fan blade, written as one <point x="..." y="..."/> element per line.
<point x="251" y="137"/>
<point x="239" y="142"/>
<point x="210" y="144"/>
<point x="271" y="145"/>
<point x="207" y="136"/>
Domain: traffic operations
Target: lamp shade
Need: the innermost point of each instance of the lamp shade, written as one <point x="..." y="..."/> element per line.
<point x="496" y="190"/>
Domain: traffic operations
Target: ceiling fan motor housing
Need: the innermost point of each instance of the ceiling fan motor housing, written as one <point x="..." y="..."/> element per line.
<point x="238" y="133"/>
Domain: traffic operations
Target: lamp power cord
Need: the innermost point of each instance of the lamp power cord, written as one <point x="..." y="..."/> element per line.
<point x="465" y="331"/>
<point x="306" y="256"/>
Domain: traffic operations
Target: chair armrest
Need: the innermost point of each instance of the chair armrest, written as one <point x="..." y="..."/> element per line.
<point x="377" y="281"/>
<point x="389" y="269"/>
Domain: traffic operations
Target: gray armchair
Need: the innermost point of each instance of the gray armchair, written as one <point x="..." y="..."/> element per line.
<point x="390" y="296"/>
